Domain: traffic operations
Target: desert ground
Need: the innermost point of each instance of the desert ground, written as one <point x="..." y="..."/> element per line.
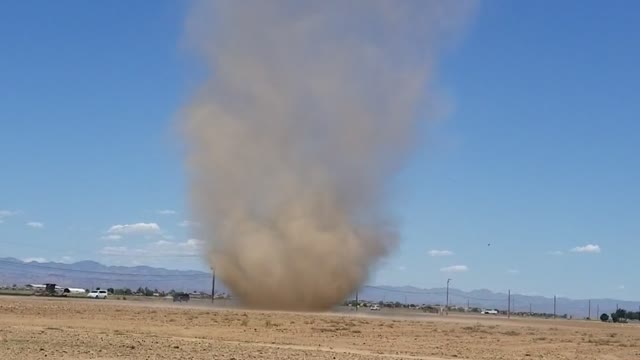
<point x="52" y="328"/>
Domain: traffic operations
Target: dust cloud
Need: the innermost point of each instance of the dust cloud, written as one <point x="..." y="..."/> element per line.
<point x="308" y="110"/>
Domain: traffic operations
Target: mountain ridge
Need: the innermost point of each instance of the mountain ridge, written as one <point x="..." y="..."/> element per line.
<point x="91" y="274"/>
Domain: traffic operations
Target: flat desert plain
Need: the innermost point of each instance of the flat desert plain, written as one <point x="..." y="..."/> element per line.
<point x="50" y="328"/>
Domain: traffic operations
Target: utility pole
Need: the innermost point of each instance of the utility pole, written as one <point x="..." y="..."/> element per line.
<point x="213" y="285"/>
<point x="598" y="310"/>
<point x="467" y="305"/>
<point x="447" y="306"/>
<point x="530" y="312"/>
<point x="357" y="302"/>
<point x="589" y="310"/>
<point x="509" y="306"/>
<point x="554" y="306"/>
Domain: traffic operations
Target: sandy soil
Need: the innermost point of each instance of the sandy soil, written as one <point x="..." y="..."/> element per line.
<point x="45" y="328"/>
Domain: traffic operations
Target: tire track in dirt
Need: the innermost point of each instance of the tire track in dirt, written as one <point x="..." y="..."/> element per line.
<point x="339" y="351"/>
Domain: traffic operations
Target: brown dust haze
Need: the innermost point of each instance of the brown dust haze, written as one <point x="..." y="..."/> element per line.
<point x="308" y="111"/>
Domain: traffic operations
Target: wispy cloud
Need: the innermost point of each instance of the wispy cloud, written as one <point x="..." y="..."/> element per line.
<point x="137" y="228"/>
<point x="160" y="248"/>
<point x="455" y="268"/>
<point x="35" y="259"/>
<point x="621" y="287"/>
<point x="513" y="271"/>
<point x="589" y="248"/>
<point x="35" y="224"/>
<point x="188" y="223"/>
<point x="189" y="247"/>
<point x="402" y="268"/>
<point x="556" y="253"/>
<point x="121" y="251"/>
<point x="112" y="237"/>
<point x="5" y="214"/>
<point x="167" y="212"/>
<point x="440" y="253"/>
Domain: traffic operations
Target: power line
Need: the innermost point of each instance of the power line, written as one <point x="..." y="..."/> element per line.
<point x="466" y="297"/>
<point x="476" y="298"/>
<point x="403" y="291"/>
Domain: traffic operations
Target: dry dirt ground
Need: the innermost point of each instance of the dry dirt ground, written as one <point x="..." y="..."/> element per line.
<point x="45" y="328"/>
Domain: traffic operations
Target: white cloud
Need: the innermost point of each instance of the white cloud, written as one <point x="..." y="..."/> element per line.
<point x="621" y="287"/>
<point x="556" y="253"/>
<point x="112" y="237"/>
<point x="440" y="253"/>
<point x="402" y="268"/>
<point x="589" y="248"/>
<point x="138" y="228"/>
<point x="35" y="224"/>
<point x="34" y="259"/>
<point x="188" y="223"/>
<point x="160" y="248"/>
<point x="455" y="268"/>
<point x="194" y="243"/>
<point x="121" y="251"/>
<point x="513" y="271"/>
<point x="5" y="214"/>
<point x="189" y="247"/>
<point x="66" y="259"/>
<point x="167" y="212"/>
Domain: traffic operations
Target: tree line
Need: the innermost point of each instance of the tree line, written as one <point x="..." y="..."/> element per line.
<point x="144" y="291"/>
<point x="620" y="315"/>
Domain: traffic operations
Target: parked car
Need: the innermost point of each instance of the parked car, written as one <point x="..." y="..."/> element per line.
<point x="374" y="308"/>
<point x="98" y="294"/>
<point x="489" y="312"/>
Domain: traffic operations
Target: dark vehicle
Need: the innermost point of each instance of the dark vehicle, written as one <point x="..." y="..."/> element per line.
<point x="180" y="297"/>
<point x="50" y="290"/>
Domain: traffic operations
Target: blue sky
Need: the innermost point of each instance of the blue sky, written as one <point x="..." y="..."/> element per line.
<point x="538" y="156"/>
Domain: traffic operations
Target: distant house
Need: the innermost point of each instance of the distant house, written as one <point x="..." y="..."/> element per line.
<point x="199" y="295"/>
<point x="36" y="286"/>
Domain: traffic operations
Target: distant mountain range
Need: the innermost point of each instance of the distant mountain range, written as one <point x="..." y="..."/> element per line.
<point x="90" y="274"/>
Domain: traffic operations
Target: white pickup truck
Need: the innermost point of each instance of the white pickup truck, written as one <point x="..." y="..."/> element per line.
<point x="489" y="312"/>
<point x="98" y="294"/>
